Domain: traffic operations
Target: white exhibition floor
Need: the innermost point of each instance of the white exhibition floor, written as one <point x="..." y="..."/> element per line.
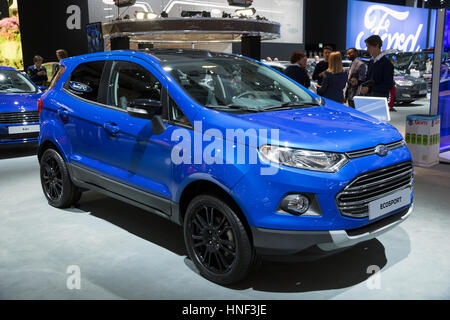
<point x="126" y="253"/>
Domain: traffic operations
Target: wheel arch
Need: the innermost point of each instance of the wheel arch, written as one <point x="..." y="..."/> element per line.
<point x="47" y="144"/>
<point x="199" y="187"/>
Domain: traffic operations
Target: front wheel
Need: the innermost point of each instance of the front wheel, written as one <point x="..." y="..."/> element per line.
<point x="216" y="240"/>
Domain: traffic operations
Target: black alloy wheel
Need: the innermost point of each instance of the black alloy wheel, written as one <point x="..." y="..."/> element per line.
<point x="52" y="179"/>
<point x="55" y="180"/>
<point x="216" y="240"/>
<point x="213" y="239"/>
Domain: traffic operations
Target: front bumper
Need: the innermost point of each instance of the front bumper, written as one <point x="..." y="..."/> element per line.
<point x="259" y="195"/>
<point x="285" y="242"/>
<point x="410" y="93"/>
<point x="20" y="138"/>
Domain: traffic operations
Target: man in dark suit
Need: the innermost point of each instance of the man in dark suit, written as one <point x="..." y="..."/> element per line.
<point x="380" y="73"/>
<point x="322" y="66"/>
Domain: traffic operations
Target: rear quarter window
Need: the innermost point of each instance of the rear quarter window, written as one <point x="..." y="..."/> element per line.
<point x="85" y="80"/>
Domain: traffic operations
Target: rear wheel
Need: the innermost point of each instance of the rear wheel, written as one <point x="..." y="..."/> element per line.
<point x="217" y="241"/>
<point x="55" y="180"/>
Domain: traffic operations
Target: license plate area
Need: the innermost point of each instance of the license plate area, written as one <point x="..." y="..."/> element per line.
<point x="23" y="129"/>
<point x="387" y="204"/>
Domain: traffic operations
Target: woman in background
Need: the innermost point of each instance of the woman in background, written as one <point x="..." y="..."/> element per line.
<point x="334" y="80"/>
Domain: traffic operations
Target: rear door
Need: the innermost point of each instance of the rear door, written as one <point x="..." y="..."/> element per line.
<point x="81" y="113"/>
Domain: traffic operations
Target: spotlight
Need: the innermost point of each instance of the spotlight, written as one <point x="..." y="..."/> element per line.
<point x="241" y="3"/>
<point x="140" y="15"/>
<point x="216" y="13"/>
<point x="124" y="3"/>
<point x="245" y="13"/>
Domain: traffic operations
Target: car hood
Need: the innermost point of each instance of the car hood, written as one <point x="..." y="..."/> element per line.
<point x="19" y="102"/>
<point x="408" y="77"/>
<point x="333" y="127"/>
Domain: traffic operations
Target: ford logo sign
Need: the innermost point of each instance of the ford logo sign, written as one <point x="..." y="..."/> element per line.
<point x="80" y="87"/>
<point x="381" y="150"/>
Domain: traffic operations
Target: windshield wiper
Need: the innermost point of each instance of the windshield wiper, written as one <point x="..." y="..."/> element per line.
<point x="232" y="106"/>
<point x="292" y="105"/>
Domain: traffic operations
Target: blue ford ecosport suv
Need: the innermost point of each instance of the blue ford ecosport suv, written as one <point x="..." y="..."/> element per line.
<point x="19" y="119"/>
<point x="249" y="162"/>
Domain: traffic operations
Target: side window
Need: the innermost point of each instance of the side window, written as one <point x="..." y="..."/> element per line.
<point x="176" y="115"/>
<point x="130" y="81"/>
<point x="85" y="80"/>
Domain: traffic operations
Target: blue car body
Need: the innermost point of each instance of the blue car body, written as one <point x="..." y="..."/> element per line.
<point x="134" y="158"/>
<point x="18" y="110"/>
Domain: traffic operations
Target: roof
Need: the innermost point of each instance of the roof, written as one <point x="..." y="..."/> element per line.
<point x="7" y="68"/>
<point x="159" y="56"/>
<point x="173" y="54"/>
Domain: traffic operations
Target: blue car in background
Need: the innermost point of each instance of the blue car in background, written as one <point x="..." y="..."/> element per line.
<point x="249" y="162"/>
<point x="19" y="119"/>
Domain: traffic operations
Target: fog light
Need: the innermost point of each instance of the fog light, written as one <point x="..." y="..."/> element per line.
<point x="295" y="204"/>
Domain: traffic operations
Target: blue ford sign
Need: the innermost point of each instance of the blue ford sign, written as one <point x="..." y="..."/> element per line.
<point x="402" y="28"/>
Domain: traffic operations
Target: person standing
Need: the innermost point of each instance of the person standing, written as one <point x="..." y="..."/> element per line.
<point x="316" y="61"/>
<point x="380" y="73"/>
<point x="297" y="69"/>
<point x="37" y="72"/>
<point x="322" y="66"/>
<point x="334" y="79"/>
<point x="60" y="54"/>
<point x="356" y="75"/>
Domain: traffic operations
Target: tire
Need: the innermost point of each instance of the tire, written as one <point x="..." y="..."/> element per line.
<point x="56" y="184"/>
<point x="217" y="241"/>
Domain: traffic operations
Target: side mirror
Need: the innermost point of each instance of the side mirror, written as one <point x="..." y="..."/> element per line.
<point x="42" y="88"/>
<point x="150" y="110"/>
<point x="144" y="108"/>
<point x="320" y="101"/>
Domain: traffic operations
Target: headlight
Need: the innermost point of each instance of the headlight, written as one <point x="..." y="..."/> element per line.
<point x="304" y="159"/>
<point x="404" y="83"/>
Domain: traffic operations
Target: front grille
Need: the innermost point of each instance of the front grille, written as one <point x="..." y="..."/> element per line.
<point x="372" y="151"/>
<point x="353" y="201"/>
<point x="421" y="86"/>
<point x="19" y="117"/>
<point x="19" y="136"/>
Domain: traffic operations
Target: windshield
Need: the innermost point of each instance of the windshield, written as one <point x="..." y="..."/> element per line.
<point x="237" y="85"/>
<point x="411" y="60"/>
<point x="12" y="81"/>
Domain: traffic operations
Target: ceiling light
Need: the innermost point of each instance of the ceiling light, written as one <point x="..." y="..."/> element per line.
<point x="245" y="12"/>
<point x="216" y="13"/>
<point x="140" y="15"/>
